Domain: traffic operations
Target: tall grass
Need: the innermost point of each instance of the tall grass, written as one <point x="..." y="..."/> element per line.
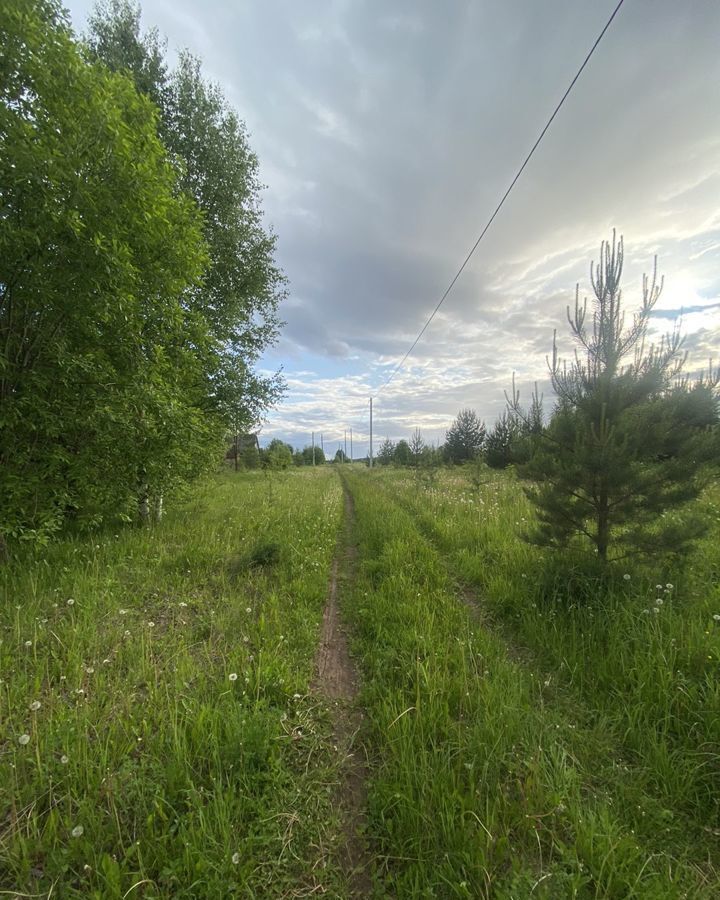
<point x="641" y="643"/>
<point x="485" y="783"/>
<point x="157" y="737"/>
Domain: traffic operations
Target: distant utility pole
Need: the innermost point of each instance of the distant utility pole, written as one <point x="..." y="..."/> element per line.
<point x="322" y="446"/>
<point x="313" y="446"/>
<point x="371" y="433"/>
<point x="346" y="443"/>
<point x="351" y="453"/>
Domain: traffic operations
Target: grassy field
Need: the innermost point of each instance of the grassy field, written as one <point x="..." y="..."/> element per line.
<point x="157" y="735"/>
<point x="532" y="731"/>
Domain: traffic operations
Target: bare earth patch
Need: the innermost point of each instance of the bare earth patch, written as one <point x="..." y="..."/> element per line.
<point x="336" y="680"/>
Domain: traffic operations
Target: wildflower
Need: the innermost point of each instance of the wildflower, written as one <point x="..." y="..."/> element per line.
<point x="656" y="609"/>
<point x="24" y="739"/>
<point x="64" y="759"/>
<point x="70" y="601"/>
<point x="126" y="633"/>
<point x="233" y="676"/>
<point x="626" y="576"/>
<point x="89" y="669"/>
<point x="182" y="604"/>
<point x="106" y="662"/>
<point x="151" y="624"/>
<point x="646" y="612"/>
<point x="296" y="696"/>
<point x="248" y="609"/>
<point x="659" y="601"/>
<point x="658" y="587"/>
<point x="123" y="612"/>
<point x="717" y="617"/>
<point x="236" y="859"/>
<point x="28" y="643"/>
<point x="35" y="705"/>
<point x="77" y="831"/>
<point x="668" y="587"/>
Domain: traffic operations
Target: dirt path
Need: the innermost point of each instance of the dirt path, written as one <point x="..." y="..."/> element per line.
<point x="336" y="680"/>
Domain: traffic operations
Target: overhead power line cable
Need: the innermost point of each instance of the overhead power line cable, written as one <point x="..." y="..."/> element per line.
<point x="504" y="197"/>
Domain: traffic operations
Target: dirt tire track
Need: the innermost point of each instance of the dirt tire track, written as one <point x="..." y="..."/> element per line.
<point x="336" y="680"/>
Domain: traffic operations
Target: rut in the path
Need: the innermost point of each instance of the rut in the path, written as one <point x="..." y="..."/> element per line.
<point x="336" y="680"/>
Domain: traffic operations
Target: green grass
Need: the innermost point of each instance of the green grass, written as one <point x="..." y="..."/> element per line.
<point x="185" y="783"/>
<point x="531" y="731"/>
<point x="490" y="778"/>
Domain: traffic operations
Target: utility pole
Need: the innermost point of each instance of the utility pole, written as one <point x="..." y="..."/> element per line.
<point x="351" y="453"/>
<point x="346" y="444"/>
<point x="313" y="446"/>
<point x="371" y="460"/>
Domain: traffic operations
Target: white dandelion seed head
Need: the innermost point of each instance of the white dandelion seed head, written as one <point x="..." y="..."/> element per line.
<point x="668" y="587"/>
<point x="151" y="624"/>
<point x="236" y="859"/>
<point x="248" y="609"/>
<point x="233" y="676"/>
<point x="28" y="643"/>
<point x="24" y="739"/>
<point x="123" y="612"/>
<point x="77" y="831"/>
<point x="70" y="601"/>
<point x="659" y="601"/>
<point x="90" y="670"/>
<point x="716" y="617"/>
<point x="35" y="705"/>
<point x="64" y="759"/>
<point x="656" y="609"/>
<point x="626" y="576"/>
<point x="182" y="603"/>
<point x="658" y="587"/>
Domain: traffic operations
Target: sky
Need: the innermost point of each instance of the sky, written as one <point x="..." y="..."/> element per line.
<point x="387" y="132"/>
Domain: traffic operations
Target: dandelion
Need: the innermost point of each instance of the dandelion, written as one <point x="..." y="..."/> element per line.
<point x="77" y="831"/>
<point x="35" y="705"/>
<point x="233" y="676"/>
<point x="626" y="576"/>
<point x="106" y="662"/>
<point x="24" y="739"/>
<point x="182" y="604"/>
<point x="236" y="859"/>
<point x="126" y="633"/>
<point x="123" y="612"/>
<point x="64" y="759"/>
<point x="717" y="617"/>
<point x="248" y="609"/>
<point x="90" y="670"/>
<point x="646" y="612"/>
<point x="668" y="587"/>
<point x="658" y="587"/>
<point x="151" y="624"/>
<point x="70" y="601"/>
<point x="28" y="643"/>
<point x="656" y="609"/>
<point x="659" y="601"/>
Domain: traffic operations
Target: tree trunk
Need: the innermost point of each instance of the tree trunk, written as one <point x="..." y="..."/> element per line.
<point x="237" y="441"/>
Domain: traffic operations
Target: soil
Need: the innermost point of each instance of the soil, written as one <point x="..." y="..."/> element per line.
<point x="336" y="680"/>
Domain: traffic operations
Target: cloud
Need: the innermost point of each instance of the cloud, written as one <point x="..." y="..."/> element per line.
<point x="386" y="137"/>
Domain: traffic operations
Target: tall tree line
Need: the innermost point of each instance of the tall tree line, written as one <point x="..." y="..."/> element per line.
<point x="137" y="283"/>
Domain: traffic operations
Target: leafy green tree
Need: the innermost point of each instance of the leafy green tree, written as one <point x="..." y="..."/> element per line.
<point x="402" y="455"/>
<point x="386" y="453"/>
<point x="307" y="454"/>
<point x="277" y="455"/>
<point x="628" y="440"/>
<point x="464" y="440"/>
<point x="101" y="378"/>
<point x="242" y="287"/>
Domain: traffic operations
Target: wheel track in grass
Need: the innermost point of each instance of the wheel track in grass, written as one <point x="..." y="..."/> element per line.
<point x="336" y="680"/>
